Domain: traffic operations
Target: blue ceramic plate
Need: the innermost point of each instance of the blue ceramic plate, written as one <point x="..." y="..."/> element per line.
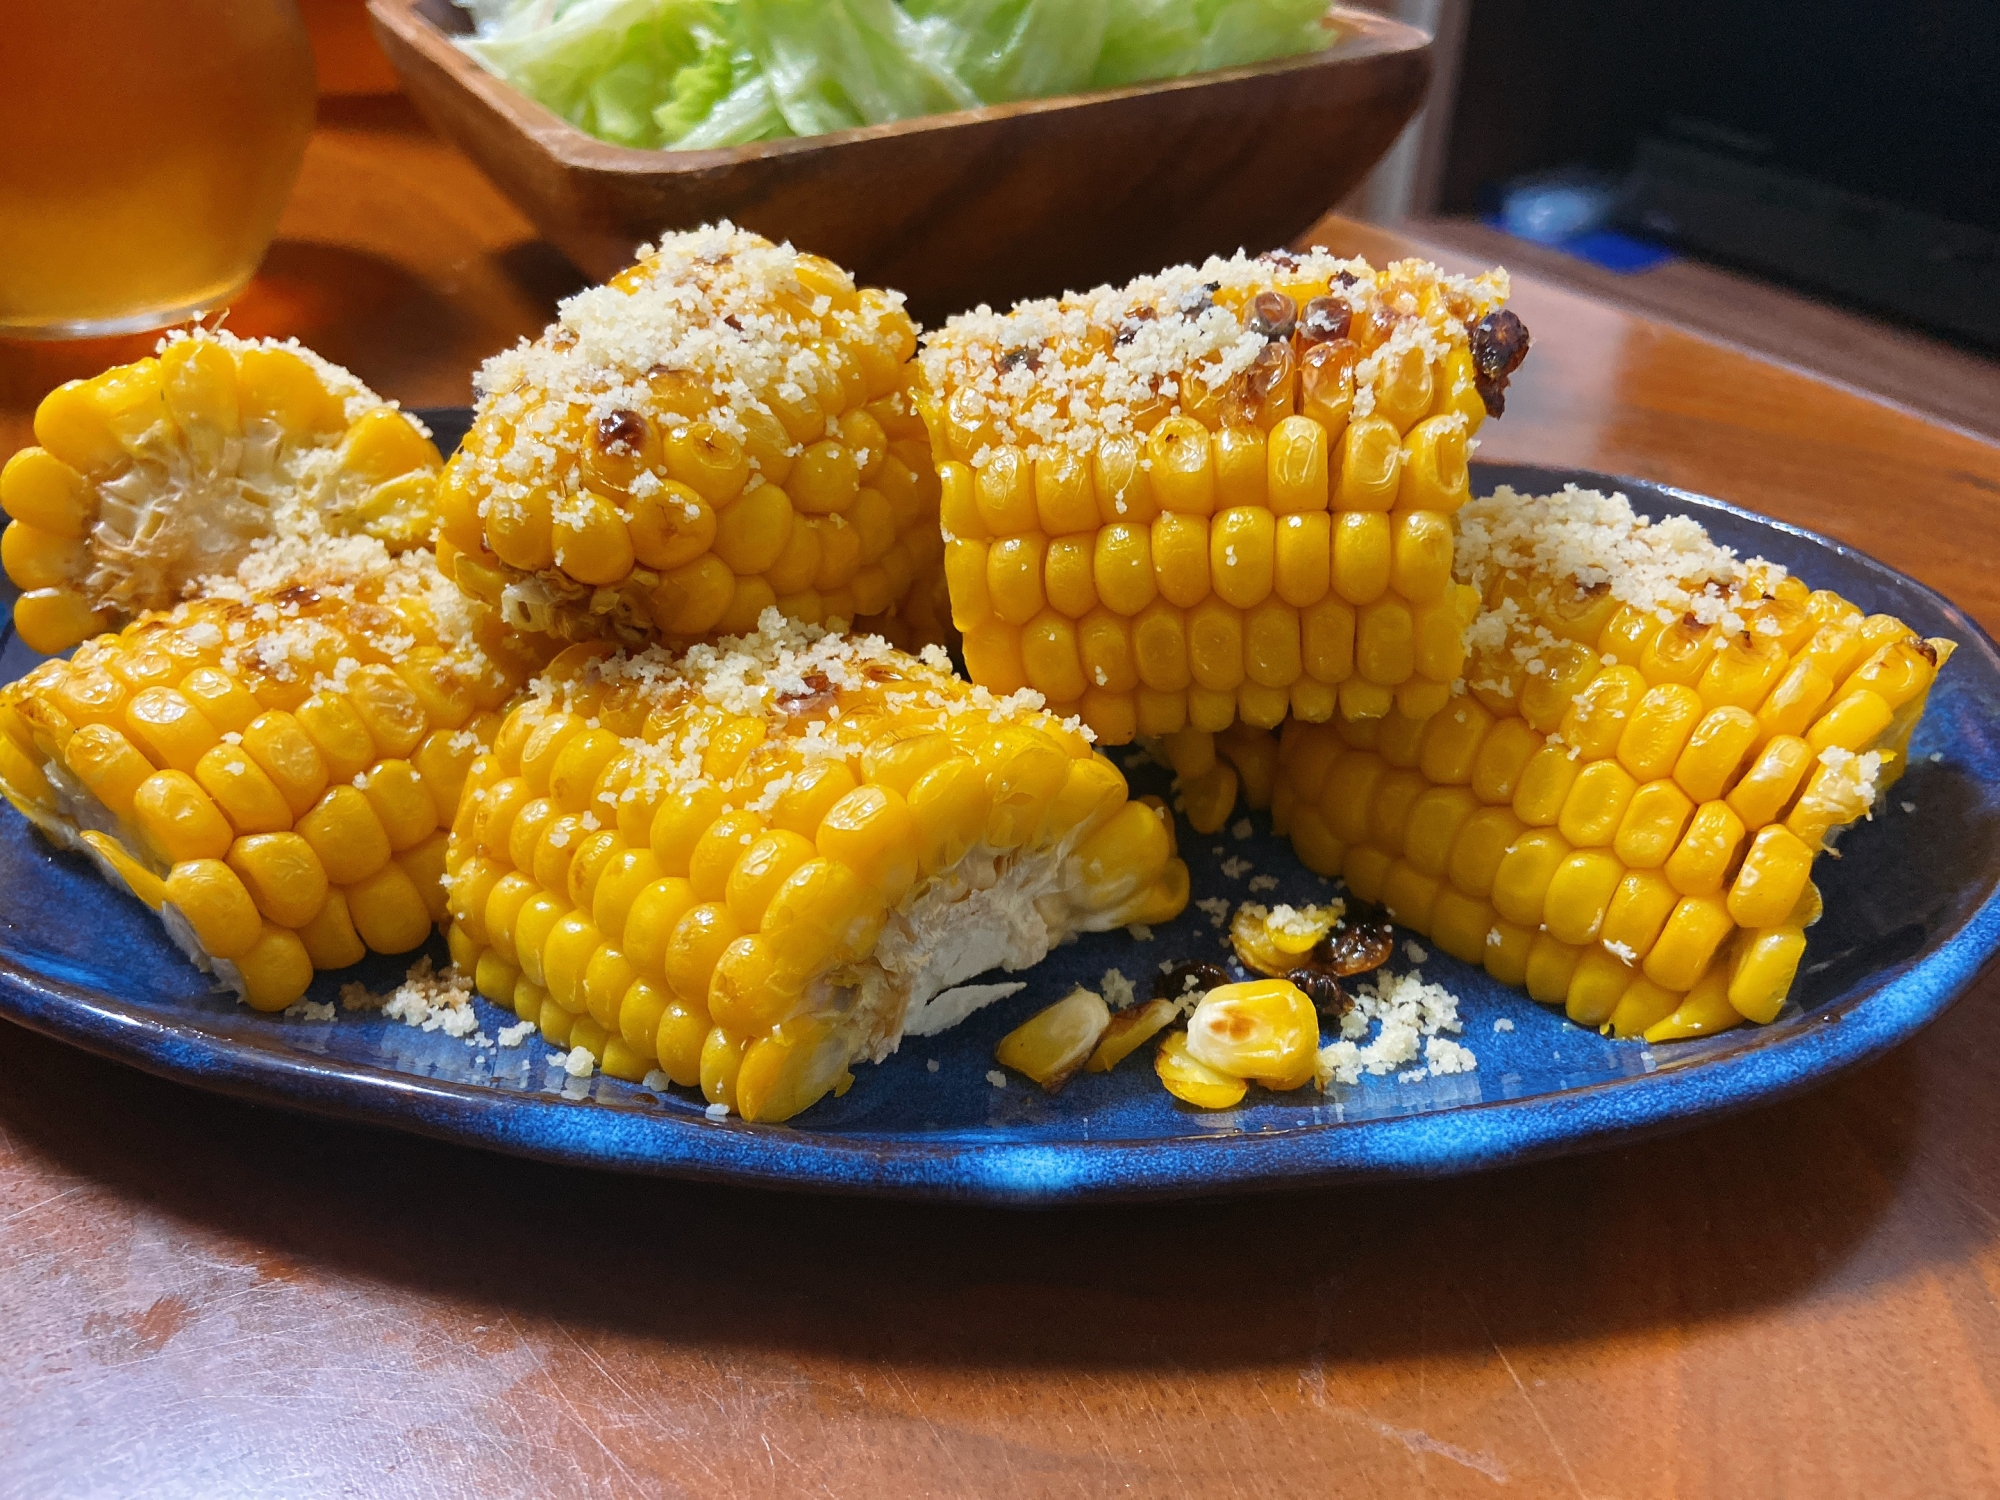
<point x="1911" y="917"/>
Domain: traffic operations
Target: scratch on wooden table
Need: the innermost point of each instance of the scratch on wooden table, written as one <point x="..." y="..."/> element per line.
<point x="1534" y="1410"/>
<point x="67" y="1192"/>
<point x="1312" y="1381"/>
<point x="569" y="1404"/>
<point x="937" y="1437"/>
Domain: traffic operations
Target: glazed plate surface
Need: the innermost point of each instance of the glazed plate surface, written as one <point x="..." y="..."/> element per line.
<point x="1911" y="919"/>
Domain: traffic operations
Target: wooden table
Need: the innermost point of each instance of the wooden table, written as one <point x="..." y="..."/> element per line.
<point x="203" y="1298"/>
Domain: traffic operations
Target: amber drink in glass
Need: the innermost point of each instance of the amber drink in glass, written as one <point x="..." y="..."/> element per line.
<point x="146" y="151"/>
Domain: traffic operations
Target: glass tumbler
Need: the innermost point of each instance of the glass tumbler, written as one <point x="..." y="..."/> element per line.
<point x="146" y="151"/>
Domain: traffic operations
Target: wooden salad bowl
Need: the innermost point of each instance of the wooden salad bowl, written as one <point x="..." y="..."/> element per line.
<point x="982" y="205"/>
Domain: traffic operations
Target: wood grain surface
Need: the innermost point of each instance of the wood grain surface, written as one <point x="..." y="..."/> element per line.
<point x="207" y="1299"/>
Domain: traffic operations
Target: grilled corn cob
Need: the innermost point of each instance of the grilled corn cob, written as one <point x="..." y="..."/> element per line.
<point x="723" y="428"/>
<point x="1217" y="495"/>
<point x="750" y="865"/>
<point x="158" y="473"/>
<point x="271" y="767"/>
<point x="1622" y="811"/>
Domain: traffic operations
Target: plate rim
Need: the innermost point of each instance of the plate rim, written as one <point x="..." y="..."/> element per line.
<point x="1899" y="1001"/>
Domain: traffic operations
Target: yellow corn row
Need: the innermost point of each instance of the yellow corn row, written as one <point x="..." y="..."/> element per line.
<point x="724" y="428"/>
<point x="273" y="772"/>
<point x="1219" y="495"/>
<point x="155" y="474"/>
<point x="747" y="866"/>
<point x="1622" y="812"/>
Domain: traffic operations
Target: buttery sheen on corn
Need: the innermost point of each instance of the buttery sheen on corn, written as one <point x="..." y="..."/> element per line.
<point x="1218" y="495"/>
<point x="272" y="767"/>
<point x="155" y="474"/>
<point x="748" y="865"/>
<point x="724" y="428"/>
<point x="1622" y="812"/>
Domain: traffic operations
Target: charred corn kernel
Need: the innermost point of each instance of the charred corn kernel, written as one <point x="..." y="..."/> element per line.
<point x="1192" y="1081"/>
<point x="728" y="479"/>
<point x="1272" y="942"/>
<point x="748" y="888"/>
<point x="1052" y="1045"/>
<point x="1266" y="1031"/>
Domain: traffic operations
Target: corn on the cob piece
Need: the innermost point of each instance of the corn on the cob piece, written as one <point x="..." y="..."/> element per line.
<point x="1217" y="495"/>
<point x="724" y="427"/>
<point x="1622" y="811"/>
<point x="750" y="865"/>
<point x="158" y="473"/>
<point x="272" y="767"/>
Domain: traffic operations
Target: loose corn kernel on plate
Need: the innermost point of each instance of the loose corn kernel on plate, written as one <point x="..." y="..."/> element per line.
<point x="1910" y="918"/>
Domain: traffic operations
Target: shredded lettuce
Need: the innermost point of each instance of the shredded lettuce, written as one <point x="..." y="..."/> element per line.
<point x="832" y="64"/>
<point x="704" y="73"/>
